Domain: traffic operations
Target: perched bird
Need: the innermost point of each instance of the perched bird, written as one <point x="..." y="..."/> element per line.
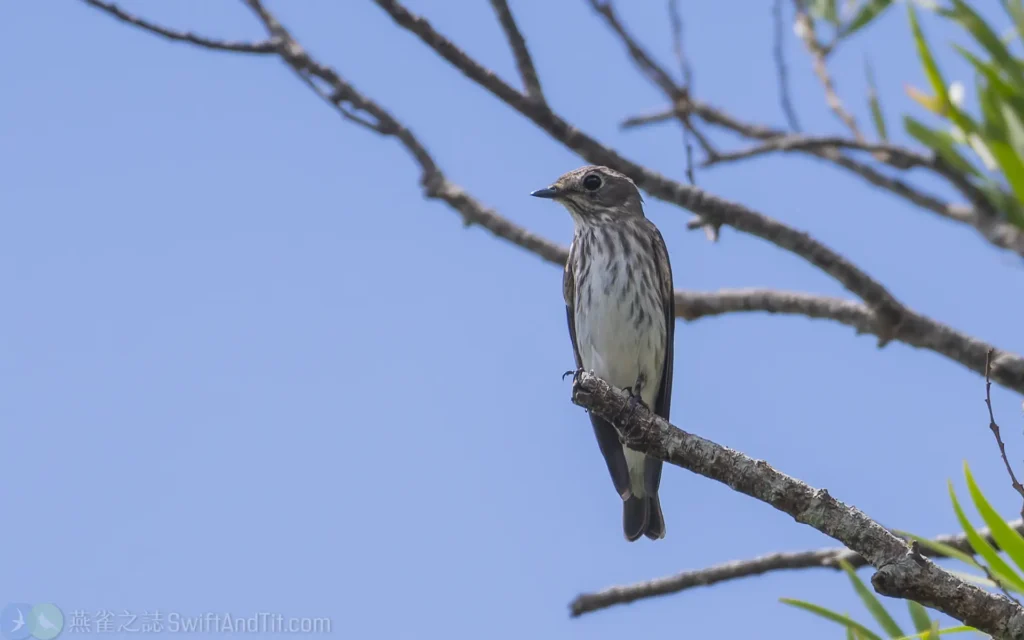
<point x="619" y="302"/>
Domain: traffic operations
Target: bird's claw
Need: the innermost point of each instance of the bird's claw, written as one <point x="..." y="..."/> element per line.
<point x="575" y="373"/>
<point x="635" y="399"/>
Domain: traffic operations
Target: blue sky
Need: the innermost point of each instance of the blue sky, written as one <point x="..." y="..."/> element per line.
<point x="246" y="367"/>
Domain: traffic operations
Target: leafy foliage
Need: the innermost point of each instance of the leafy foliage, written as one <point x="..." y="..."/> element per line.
<point x="992" y="140"/>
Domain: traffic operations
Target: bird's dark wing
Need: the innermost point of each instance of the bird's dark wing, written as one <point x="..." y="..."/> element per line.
<point x="663" y="401"/>
<point x="607" y="436"/>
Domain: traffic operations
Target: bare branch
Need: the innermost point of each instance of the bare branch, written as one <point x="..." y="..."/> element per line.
<point x="819" y="54"/>
<point x="995" y="429"/>
<point x="780" y="67"/>
<point x="916" y="330"/>
<point x="655" y="117"/>
<point x="828" y="558"/>
<point x="265" y="46"/>
<point x="518" y="45"/>
<point x="652" y="118"/>
<point x="901" y="571"/>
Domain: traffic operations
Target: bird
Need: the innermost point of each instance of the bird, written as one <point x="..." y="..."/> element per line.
<point x="19" y="622"/>
<point x="44" y="622"/>
<point x="618" y="291"/>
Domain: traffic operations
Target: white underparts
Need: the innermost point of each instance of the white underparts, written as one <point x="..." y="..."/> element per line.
<point x="612" y="342"/>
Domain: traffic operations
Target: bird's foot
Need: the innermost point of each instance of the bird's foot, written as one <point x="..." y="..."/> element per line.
<point x="635" y="399"/>
<point x="575" y="373"/>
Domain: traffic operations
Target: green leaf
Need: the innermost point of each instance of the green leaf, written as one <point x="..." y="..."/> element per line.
<point x="987" y="38"/>
<point x="872" y="602"/>
<point x="1014" y="127"/>
<point x="982" y="581"/>
<point x="1016" y="10"/>
<point x="1010" y="163"/>
<point x="828" y="614"/>
<point x="990" y="73"/>
<point x="996" y="565"/>
<point x="931" y="69"/>
<point x="935" y="631"/>
<point x="825" y="10"/>
<point x="876" y="107"/>
<point x="1008" y="539"/>
<point x="868" y="12"/>
<point x="940" y="142"/>
<point x="941" y="548"/>
<point x="920" y="616"/>
<point x="993" y="125"/>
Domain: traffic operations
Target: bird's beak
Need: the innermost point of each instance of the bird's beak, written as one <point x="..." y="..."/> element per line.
<point x="547" y="192"/>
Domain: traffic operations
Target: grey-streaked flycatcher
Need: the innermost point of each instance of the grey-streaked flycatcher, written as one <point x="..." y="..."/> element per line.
<point x="619" y="302"/>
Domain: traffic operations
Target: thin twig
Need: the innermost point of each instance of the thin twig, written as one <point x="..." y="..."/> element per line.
<point x="828" y="558"/>
<point x="898" y="156"/>
<point x="819" y="55"/>
<point x="265" y="46"/>
<point x="780" y="67"/>
<point x="524" y="62"/>
<point x="995" y="428"/>
<point x="676" y="20"/>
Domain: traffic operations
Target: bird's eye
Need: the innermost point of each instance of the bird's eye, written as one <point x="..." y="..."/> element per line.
<point x="592" y="182"/>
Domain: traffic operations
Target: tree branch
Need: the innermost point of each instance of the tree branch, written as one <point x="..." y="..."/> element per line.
<point x="917" y="330"/>
<point x="900" y="569"/>
<point x="895" y="155"/>
<point x="265" y="46"/>
<point x="524" y="62"/>
<point x="828" y="558"/>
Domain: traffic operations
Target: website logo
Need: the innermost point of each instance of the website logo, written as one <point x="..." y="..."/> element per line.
<point x="21" y="621"/>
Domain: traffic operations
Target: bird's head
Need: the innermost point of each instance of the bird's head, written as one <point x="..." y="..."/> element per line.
<point x="595" y="193"/>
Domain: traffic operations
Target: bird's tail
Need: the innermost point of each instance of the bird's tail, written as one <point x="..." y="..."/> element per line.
<point x="641" y="516"/>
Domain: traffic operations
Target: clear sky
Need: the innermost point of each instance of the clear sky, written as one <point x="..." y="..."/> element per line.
<point x="246" y="367"/>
